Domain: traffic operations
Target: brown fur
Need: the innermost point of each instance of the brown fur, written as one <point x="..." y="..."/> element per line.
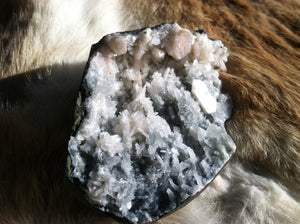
<point x="262" y="77"/>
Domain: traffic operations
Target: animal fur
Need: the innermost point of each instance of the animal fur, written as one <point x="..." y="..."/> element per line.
<point x="44" y="45"/>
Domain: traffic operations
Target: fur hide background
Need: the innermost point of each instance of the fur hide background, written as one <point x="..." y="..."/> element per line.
<point x="44" y="46"/>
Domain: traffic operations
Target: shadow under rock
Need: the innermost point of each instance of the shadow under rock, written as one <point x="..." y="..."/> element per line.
<point x="36" y="117"/>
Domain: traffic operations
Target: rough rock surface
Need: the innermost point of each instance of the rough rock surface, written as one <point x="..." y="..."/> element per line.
<point x="149" y="131"/>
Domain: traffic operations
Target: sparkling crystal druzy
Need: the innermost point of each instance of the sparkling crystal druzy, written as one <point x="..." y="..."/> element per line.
<point x="149" y="131"/>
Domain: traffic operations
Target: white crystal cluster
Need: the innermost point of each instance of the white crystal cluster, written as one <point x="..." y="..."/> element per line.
<point x="150" y="128"/>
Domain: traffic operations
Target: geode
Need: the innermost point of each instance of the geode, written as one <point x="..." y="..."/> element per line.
<point x="149" y="131"/>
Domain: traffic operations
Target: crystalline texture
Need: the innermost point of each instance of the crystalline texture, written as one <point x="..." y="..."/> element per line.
<point x="149" y="131"/>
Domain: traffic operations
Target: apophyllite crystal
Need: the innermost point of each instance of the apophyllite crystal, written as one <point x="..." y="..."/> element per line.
<point x="149" y="131"/>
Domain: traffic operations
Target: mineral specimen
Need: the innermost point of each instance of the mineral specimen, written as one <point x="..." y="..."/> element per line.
<point x="149" y="131"/>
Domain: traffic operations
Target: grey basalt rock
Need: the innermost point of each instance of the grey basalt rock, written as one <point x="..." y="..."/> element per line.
<point x="149" y="131"/>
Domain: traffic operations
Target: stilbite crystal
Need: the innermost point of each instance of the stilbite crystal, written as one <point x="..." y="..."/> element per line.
<point x="149" y="131"/>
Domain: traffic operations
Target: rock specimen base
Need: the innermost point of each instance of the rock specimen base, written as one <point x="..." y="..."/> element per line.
<point x="149" y="131"/>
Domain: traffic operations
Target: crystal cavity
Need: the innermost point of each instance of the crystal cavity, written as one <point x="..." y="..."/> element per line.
<point x="149" y="131"/>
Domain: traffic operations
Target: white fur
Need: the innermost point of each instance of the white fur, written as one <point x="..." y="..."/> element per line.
<point x="63" y="31"/>
<point x="237" y="196"/>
